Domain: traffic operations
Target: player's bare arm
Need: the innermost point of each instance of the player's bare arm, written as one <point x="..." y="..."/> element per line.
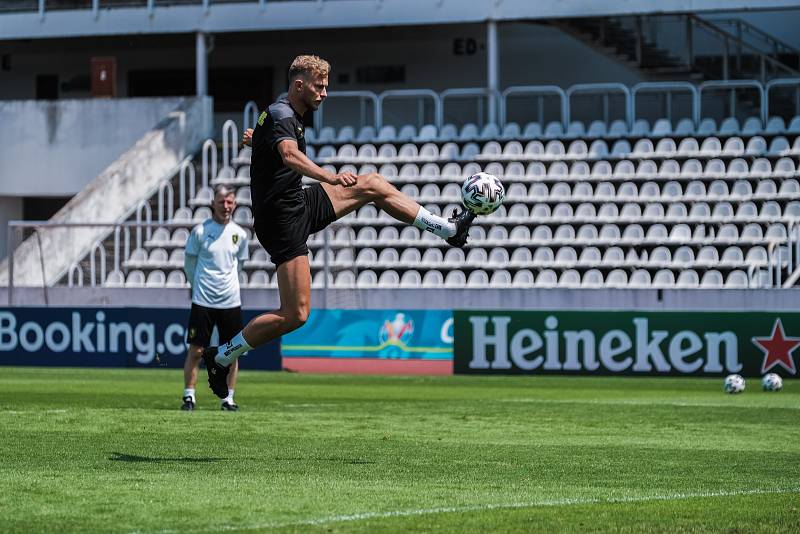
<point x="294" y="158"/>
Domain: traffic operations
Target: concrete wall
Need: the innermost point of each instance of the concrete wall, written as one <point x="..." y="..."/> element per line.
<point x="10" y="209"/>
<point x="113" y="194"/>
<point x="56" y="148"/>
<point x="541" y="299"/>
<point x="531" y="54"/>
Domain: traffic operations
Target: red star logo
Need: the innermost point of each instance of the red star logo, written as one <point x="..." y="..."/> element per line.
<point x="777" y="349"/>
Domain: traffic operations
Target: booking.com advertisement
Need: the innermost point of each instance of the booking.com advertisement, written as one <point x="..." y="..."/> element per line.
<point x="107" y="337"/>
<point x="382" y="334"/>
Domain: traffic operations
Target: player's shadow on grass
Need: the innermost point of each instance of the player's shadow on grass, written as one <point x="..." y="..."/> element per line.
<point x="121" y="457"/>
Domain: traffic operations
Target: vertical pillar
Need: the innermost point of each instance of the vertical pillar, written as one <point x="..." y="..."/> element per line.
<point x="492" y="68"/>
<point x="201" y="65"/>
<point x="689" y="42"/>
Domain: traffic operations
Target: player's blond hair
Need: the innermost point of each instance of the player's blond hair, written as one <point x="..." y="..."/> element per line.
<point x="306" y="66"/>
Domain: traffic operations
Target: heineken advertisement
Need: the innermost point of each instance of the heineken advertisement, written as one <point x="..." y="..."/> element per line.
<point x="629" y="343"/>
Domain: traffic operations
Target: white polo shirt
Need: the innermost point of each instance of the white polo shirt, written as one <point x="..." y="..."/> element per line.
<point x="219" y="249"/>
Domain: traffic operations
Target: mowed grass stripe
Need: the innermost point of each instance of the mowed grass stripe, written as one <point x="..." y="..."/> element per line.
<point x="108" y="451"/>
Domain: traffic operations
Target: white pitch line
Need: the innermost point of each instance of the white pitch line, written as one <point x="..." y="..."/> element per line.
<point x="644" y="403"/>
<point x="478" y="508"/>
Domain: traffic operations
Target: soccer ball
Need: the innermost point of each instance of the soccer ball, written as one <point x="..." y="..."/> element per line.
<point x="482" y="193"/>
<point x="772" y="382"/>
<point x="734" y="384"/>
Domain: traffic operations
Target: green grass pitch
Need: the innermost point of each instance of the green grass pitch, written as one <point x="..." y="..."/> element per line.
<point x="108" y="451"/>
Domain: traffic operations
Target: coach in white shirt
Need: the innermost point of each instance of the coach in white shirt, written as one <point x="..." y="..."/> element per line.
<point x="215" y="253"/>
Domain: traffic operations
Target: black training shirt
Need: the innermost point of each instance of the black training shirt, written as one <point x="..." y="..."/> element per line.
<point x="275" y="188"/>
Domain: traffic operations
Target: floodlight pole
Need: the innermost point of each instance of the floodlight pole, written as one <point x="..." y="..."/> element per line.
<point x="201" y="64"/>
<point x="492" y="68"/>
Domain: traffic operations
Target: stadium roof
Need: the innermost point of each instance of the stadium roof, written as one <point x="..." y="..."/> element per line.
<point x="255" y="15"/>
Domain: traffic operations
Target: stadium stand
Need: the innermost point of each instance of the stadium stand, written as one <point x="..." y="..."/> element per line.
<point x="596" y="205"/>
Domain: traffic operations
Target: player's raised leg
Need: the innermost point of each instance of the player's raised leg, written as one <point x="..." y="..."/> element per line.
<point x="376" y="189"/>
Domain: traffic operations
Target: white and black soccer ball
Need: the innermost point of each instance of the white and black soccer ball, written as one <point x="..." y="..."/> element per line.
<point x="482" y="193"/>
<point x="734" y="384"/>
<point x="771" y="382"/>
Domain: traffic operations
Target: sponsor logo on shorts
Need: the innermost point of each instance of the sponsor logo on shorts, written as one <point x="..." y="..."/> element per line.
<point x="192" y="332"/>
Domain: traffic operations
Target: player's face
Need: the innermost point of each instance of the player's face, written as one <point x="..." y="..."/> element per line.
<point x="223" y="207"/>
<point x="315" y="91"/>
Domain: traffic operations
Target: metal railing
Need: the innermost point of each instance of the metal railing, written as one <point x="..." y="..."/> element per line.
<point x="604" y="90"/>
<point x="115" y="250"/>
<point x="540" y="92"/>
<point x="667" y="88"/>
<point x="566" y="110"/>
<point x="419" y="94"/>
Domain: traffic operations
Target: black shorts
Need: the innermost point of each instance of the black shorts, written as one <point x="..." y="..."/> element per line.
<point x="287" y="239"/>
<point x="202" y="321"/>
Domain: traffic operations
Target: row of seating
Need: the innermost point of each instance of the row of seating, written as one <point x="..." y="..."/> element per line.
<point x="553" y="130"/>
<point x="546" y="278"/>
<point x="690" y="169"/>
<point x="671" y="193"/>
<point x="556" y="150"/>
<point x="520" y="258"/>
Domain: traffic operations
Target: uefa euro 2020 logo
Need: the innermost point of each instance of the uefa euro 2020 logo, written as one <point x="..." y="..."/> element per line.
<point x="396" y="332"/>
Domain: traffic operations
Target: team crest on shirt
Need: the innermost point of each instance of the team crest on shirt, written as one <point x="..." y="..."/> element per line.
<point x="299" y="131"/>
<point x="235" y="238"/>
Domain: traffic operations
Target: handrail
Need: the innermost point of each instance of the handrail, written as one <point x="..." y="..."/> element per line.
<point x="629" y="93"/>
<point x="73" y="268"/>
<point x="230" y="147"/>
<point x="774" y="41"/>
<point x="368" y="95"/>
<point x="250" y="112"/>
<point x="533" y="90"/>
<point x="734" y="84"/>
<point x="170" y="207"/>
<point x="186" y="165"/>
<point x="464" y="92"/>
<point x="781" y="82"/>
<point x="668" y="86"/>
<point x="406" y="93"/>
<point x="732" y="38"/>
<point x="92" y="268"/>
<point x="209" y="151"/>
<point x="605" y="88"/>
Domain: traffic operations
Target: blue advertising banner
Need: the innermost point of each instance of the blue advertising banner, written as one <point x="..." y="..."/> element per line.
<point x="107" y="337"/>
<point x="383" y="334"/>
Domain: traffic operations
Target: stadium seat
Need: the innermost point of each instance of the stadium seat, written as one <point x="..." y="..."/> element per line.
<point x="389" y="279"/>
<point x="367" y="279"/>
<point x="523" y="278"/>
<point x="455" y="278"/>
<point x="432" y="279"/>
<point x="410" y="279"/>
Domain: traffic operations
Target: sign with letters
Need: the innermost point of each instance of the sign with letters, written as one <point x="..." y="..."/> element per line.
<point x="628" y="343"/>
<point x="107" y="337"/>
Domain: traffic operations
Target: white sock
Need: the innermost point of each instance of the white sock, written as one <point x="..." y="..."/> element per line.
<point x="434" y="224"/>
<point x="232" y="350"/>
<point x="189" y="392"/>
<point x="229" y="398"/>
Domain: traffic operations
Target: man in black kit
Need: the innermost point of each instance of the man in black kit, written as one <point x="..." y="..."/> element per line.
<point x="286" y="214"/>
